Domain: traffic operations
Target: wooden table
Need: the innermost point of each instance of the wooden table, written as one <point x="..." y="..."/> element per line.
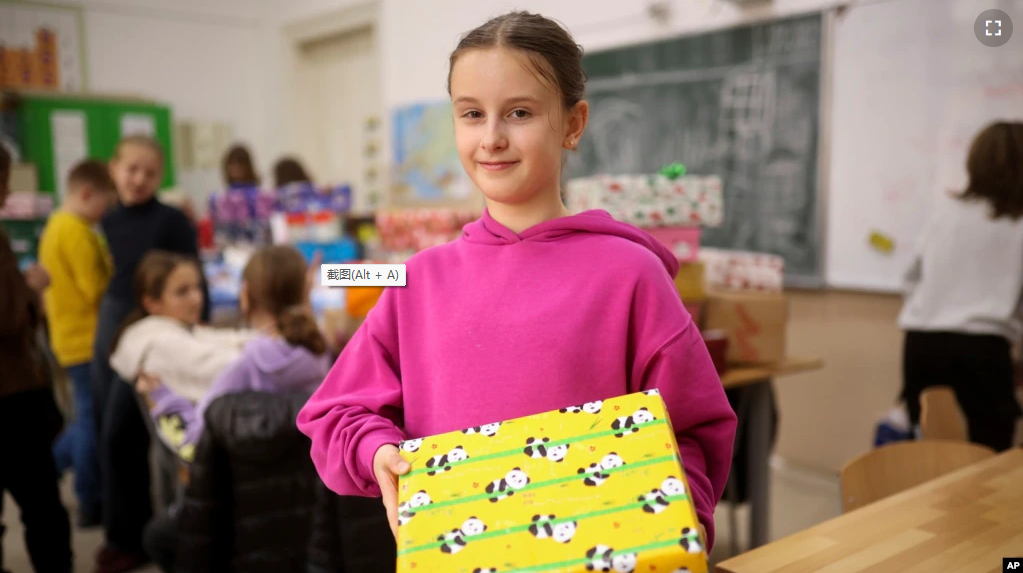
<point x="965" y="521"/>
<point x="741" y="376"/>
<point x="754" y="411"/>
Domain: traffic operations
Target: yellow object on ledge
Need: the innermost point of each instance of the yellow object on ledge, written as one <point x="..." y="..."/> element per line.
<point x="595" y="487"/>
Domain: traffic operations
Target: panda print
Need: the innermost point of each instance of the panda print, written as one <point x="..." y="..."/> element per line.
<point x="589" y="408"/>
<point x="691" y="540"/>
<point x="682" y="570"/>
<point x="406" y="509"/>
<point x="490" y="570"/>
<point x="506" y="486"/>
<point x="652" y="392"/>
<point x="592" y="475"/>
<point x="537" y="449"/>
<point x="488" y="430"/>
<point x="410" y="446"/>
<point x="603" y="558"/>
<point x="596" y="474"/>
<point x="627" y="424"/>
<point x="657" y="500"/>
<point x="542" y="528"/>
<point x="442" y="463"/>
<point x="456" y="539"/>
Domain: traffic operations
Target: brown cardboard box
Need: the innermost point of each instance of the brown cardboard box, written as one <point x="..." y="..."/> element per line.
<point x="755" y="323"/>
<point x="690" y="282"/>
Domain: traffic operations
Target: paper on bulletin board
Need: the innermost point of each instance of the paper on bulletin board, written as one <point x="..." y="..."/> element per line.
<point x="137" y="124"/>
<point x="68" y="132"/>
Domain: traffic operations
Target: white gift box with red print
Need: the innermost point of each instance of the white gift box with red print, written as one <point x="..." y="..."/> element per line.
<point x="741" y="270"/>
<point x="650" y="201"/>
<point x="418" y="229"/>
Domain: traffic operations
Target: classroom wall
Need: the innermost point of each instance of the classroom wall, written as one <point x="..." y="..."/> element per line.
<point x="201" y="58"/>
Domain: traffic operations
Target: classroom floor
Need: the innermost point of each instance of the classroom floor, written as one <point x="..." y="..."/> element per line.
<point x="799" y="498"/>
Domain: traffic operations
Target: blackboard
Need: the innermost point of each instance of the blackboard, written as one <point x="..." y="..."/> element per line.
<point x="741" y="103"/>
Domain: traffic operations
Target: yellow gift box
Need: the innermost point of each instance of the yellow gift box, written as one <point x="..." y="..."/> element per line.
<point x="595" y="487"/>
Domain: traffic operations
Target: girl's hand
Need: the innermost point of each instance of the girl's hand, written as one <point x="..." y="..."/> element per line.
<point x="387" y="466"/>
<point x="146" y="383"/>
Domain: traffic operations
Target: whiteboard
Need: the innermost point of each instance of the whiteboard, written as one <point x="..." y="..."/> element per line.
<point x="911" y="86"/>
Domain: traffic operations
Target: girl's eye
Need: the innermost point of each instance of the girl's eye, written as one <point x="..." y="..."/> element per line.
<point x="472" y="114"/>
<point x="520" y="114"/>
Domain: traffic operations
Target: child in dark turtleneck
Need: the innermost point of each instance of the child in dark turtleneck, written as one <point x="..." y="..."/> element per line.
<point x="140" y="223"/>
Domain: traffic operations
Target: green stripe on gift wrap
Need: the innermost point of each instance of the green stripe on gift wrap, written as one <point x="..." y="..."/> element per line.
<point x="542" y="484"/>
<point x="518" y="450"/>
<point x="638" y="550"/>
<point x="525" y="527"/>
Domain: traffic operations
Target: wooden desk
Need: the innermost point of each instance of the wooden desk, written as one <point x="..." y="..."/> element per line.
<point x="741" y="376"/>
<point x="754" y="411"/>
<point x="965" y="521"/>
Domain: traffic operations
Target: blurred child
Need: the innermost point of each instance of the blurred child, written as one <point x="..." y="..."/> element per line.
<point x="239" y="170"/>
<point x="286" y="356"/>
<point x="962" y="312"/>
<point x="479" y="336"/>
<point x="288" y="171"/>
<point x="140" y="223"/>
<point x="29" y="418"/>
<point x="162" y="336"/>
<point x="284" y="353"/>
<point x="79" y="267"/>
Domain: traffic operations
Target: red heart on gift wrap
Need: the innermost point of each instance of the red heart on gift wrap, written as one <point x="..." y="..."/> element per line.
<point x="475" y="485"/>
<point x="617" y="407"/>
<point x="593" y="448"/>
<point x="617" y="525"/>
<point x="434" y="446"/>
<point x="667" y="446"/>
<point x="412" y="565"/>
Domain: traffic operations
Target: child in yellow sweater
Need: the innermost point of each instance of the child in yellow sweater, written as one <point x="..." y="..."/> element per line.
<point x="79" y="266"/>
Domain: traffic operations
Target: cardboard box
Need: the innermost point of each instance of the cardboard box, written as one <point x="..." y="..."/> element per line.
<point x="755" y="323"/>
<point x="596" y="487"/>
<point x="690" y="282"/>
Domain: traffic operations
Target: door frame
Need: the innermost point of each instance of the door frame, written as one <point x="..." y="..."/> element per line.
<point x="345" y="20"/>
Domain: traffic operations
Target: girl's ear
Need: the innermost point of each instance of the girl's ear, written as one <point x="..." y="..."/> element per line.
<point x="576" y="121"/>
<point x="152" y="305"/>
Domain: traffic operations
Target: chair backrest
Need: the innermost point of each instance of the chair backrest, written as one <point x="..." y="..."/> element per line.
<point x="899" y="466"/>
<point x="940" y="415"/>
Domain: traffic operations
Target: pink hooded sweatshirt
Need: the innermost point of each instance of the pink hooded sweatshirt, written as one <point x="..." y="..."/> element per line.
<point x="498" y="325"/>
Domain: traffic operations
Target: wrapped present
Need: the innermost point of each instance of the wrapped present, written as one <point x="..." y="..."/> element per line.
<point x="27" y="205"/>
<point x="690" y="282"/>
<point x="650" y="200"/>
<point x="754" y="322"/>
<point x="418" y="229"/>
<point x="683" y="241"/>
<point x="740" y="270"/>
<point x="593" y="487"/>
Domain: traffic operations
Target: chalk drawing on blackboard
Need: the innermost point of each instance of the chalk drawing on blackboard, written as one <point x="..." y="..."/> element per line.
<point x="611" y="133"/>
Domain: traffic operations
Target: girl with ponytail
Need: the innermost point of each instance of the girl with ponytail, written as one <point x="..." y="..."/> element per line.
<point x="287" y="353"/>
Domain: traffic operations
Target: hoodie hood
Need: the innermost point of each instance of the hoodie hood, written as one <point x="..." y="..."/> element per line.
<point x="284" y="366"/>
<point x="487" y="231"/>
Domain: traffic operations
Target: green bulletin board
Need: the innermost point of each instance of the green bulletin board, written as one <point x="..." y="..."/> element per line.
<point x="40" y="118"/>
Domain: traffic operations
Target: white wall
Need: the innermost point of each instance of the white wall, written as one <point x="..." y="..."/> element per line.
<point x="201" y="58"/>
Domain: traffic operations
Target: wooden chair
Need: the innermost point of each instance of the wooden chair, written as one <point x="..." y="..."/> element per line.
<point x="940" y="415"/>
<point x="896" y="467"/>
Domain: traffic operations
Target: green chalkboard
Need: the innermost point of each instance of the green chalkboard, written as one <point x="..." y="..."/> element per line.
<point x="103" y="124"/>
<point x="740" y="103"/>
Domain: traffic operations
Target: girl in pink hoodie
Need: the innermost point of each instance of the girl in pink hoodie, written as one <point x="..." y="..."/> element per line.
<point x="532" y="309"/>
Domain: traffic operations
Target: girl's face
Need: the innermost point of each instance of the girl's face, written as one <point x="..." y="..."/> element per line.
<point x="510" y="127"/>
<point x="137" y="171"/>
<point x="182" y="296"/>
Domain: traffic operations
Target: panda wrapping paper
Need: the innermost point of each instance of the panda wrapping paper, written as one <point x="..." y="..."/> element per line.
<point x="593" y="487"/>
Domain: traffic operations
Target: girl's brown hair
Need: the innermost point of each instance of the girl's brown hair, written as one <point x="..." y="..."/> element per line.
<point x="554" y="54"/>
<point x="275" y="278"/>
<point x="149" y="281"/>
<point x="288" y="171"/>
<point x="995" y="167"/>
<point x="140" y="141"/>
<point x="239" y="155"/>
